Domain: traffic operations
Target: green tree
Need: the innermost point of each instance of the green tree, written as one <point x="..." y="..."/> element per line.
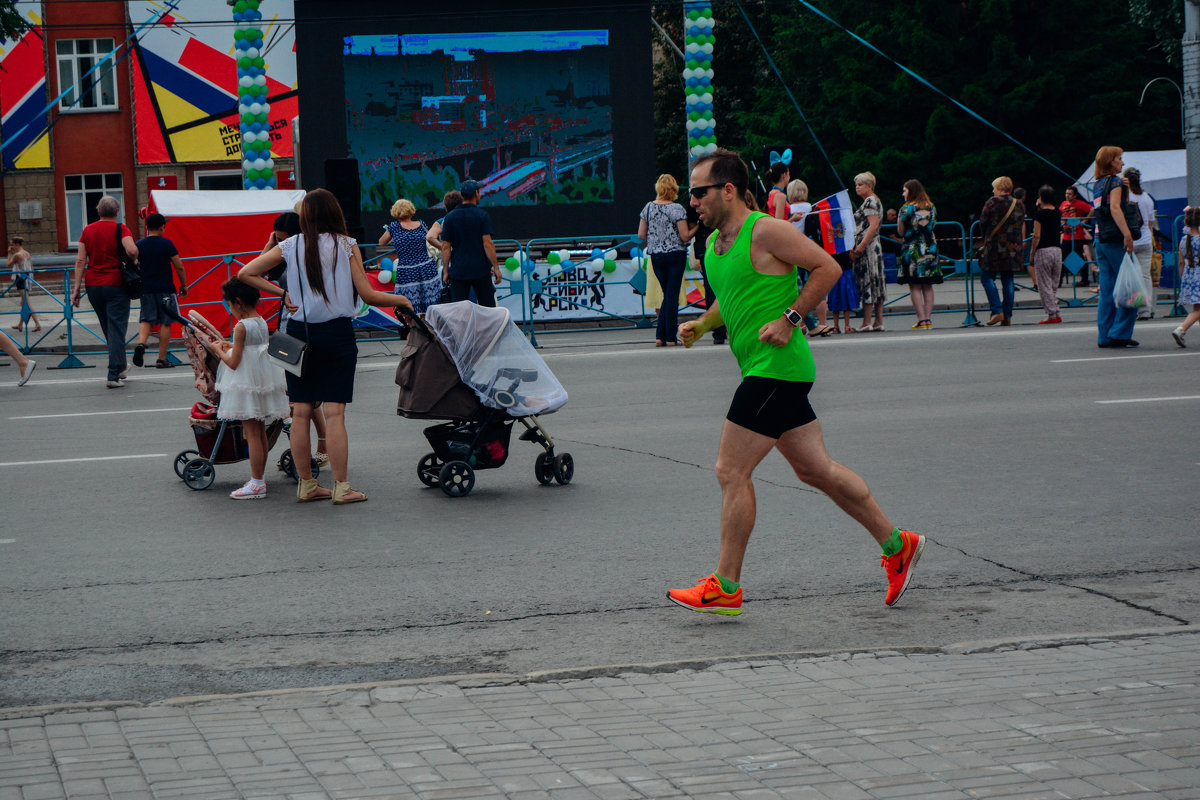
<point x="1060" y="81"/>
<point x="12" y="24"/>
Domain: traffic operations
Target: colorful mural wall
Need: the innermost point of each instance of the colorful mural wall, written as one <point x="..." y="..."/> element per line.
<point x="23" y="96"/>
<point x="185" y="81"/>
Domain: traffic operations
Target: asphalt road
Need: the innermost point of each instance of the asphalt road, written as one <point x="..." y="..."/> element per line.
<point x="1057" y="484"/>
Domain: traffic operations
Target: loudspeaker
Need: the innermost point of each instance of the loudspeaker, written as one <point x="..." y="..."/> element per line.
<point x="341" y="178"/>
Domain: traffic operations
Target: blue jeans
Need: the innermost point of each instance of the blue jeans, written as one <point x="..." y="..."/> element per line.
<point x="669" y="269"/>
<point x="111" y="305"/>
<point x="1113" y="323"/>
<point x="988" y="278"/>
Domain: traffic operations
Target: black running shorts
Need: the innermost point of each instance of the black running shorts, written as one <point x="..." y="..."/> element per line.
<point x="770" y="406"/>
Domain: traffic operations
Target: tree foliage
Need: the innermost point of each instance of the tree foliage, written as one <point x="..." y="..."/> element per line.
<point x="1061" y="79"/>
<point x="12" y="24"/>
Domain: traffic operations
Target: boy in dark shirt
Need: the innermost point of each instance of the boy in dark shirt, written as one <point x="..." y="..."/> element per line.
<point x="156" y="256"/>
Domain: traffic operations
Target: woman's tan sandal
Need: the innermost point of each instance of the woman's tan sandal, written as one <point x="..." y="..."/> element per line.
<point x="341" y="489"/>
<point x="308" y="490"/>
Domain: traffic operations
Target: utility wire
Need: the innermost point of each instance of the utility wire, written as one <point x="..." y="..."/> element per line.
<point x="923" y="81"/>
<point x="791" y="97"/>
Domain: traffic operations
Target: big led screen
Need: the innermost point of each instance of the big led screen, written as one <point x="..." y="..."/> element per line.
<point x="526" y="114"/>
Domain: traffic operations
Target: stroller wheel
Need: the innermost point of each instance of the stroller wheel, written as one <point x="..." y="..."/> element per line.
<point x="428" y="470"/>
<point x="287" y="464"/>
<point x="564" y="468"/>
<point x="199" y="474"/>
<point x="457" y="479"/>
<point x="543" y="468"/>
<point x="182" y="459"/>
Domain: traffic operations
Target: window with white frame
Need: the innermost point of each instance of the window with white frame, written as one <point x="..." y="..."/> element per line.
<point x="219" y="179"/>
<point x="76" y="58"/>
<point x="83" y="192"/>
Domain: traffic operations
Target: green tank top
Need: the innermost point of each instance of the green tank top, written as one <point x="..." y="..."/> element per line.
<point x="748" y="300"/>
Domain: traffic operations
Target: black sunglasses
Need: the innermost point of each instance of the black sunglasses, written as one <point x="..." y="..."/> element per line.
<point x="698" y="192"/>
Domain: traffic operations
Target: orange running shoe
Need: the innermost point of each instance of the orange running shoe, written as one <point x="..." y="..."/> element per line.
<point x="900" y="566"/>
<point x="707" y="597"/>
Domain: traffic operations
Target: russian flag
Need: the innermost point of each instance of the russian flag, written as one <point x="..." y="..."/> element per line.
<point x="837" y="222"/>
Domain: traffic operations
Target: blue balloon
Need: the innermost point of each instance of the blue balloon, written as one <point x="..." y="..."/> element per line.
<point x="597" y="252"/>
<point x="385" y="263"/>
<point x="248" y="184"/>
<point x="261" y="183"/>
<point x="693" y="82"/>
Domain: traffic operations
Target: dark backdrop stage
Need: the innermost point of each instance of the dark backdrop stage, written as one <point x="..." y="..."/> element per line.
<point x="547" y="106"/>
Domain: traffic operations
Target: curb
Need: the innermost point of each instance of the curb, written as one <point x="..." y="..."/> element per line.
<point x="972" y="647"/>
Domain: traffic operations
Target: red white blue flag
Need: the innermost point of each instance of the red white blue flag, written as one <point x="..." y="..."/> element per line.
<point x="837" y="222"/>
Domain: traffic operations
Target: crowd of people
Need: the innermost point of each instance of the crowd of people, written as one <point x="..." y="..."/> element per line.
<point x="1013" y="239"/>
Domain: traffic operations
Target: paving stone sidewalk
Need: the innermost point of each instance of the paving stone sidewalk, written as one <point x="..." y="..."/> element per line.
<point x="1095" y="717"/>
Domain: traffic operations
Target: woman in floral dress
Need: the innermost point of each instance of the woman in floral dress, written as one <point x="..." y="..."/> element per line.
<point x="416" y="274"/>
<point x="919" y="258"/>
<point x="868" y="255"/>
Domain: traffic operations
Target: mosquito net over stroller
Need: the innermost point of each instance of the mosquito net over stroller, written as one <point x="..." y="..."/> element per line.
<point x="495" y="359"/>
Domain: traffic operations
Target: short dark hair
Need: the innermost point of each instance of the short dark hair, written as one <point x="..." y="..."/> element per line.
<point x="1019" y="193"/>
<point x="1046" y="193"/>
<point x="452" y="200"/>
<point x="778" y="170"/>
<point x="726" y="166"/>
<point x="155" y="221"/>
<point x="18" y="240"/>
<point x="288" y="222"/>
<point x="244" y="293"/>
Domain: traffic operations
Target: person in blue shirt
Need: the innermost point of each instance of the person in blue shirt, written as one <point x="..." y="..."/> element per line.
<point x="157" y="255"/>
<point x="468" y="251"/>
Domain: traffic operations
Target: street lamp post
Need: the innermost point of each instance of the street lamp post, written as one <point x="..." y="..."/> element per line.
<point x="1182" y="122"/>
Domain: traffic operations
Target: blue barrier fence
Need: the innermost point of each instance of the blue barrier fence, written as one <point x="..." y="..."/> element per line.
<point x="580" y="287"/>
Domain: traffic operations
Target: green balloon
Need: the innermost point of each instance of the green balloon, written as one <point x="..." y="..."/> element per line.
<point x="238" y="35"/>
<point x="248" y="118"/>
<point x="259" y="62"/>
<point x="512" y="264"/>
<point x="253" y="5"/>
<point x="610" y="265"/>
<point x="552" y="258"/>
<point x="260" y="117"/>
<point x="693" y="14"/>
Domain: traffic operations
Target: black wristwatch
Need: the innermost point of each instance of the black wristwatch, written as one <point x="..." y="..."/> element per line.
<point x="793" y="316"/>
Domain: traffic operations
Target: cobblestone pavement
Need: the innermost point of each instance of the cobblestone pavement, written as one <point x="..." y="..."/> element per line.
<point x="1087" y="717"/>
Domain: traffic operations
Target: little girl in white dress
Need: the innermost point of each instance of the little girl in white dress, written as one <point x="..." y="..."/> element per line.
<point x="252" y="388"/>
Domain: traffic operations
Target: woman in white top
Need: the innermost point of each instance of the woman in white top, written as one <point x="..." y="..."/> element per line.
<point x="1143" y="245"/>
<point x="325" y="277"/>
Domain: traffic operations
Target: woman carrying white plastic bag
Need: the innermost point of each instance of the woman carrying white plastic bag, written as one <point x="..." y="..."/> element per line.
<point x="1130" y="290"/>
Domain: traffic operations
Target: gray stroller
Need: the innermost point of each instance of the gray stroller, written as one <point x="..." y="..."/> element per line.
<point x="471" y="366"/>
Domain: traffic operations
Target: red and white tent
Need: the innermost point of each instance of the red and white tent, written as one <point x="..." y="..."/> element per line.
<point x="207" y="226"/>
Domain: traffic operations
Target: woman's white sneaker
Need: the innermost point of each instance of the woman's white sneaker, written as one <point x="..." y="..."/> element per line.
<point x="249" y="491"/>
<point x="1177" y="334"/>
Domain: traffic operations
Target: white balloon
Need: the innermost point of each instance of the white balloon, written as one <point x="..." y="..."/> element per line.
<point x="611" y="255"/>
<point x="268" y="164"/>
<point x="251" y="52"/>
<point x="260" y="80"/>
<point x="707" y="48"/>
<point x="245" y="81"/>
<point x="697" y="151"/>
<point x="709" y="73"/>
<point x="385" y="276"/>
<point x="706" y="97"/>
<point x="692" y="47"/>
<point x="690" y="125"/>
<point x="709" y="149"/>
<point x="564" y="255"/>
<point x="259" y="163"/>
<point x="596" y="266"/>
<point x="255" y="108"/>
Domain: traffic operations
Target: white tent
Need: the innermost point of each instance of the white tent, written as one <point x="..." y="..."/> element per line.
<point x="1164" y="175"/>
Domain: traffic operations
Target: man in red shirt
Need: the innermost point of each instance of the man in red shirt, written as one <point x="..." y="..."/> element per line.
<point x="1075" y="238"/>
<point x="98" y="267"/>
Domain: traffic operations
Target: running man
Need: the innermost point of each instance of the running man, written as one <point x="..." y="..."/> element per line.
<point x="749" y="263"/>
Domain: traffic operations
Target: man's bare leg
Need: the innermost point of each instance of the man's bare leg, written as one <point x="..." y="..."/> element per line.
<point x="740" y="451"/>
<point x="804" y="449"/>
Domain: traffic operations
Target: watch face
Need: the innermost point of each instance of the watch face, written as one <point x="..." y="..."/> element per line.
<point x="793" y="316"/>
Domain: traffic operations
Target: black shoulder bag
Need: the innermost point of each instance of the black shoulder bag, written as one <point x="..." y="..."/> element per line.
<point x="131" y="276"/>
<point x="286" y="350"/>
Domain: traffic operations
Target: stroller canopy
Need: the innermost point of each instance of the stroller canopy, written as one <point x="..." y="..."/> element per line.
<point x="495" y="359"/>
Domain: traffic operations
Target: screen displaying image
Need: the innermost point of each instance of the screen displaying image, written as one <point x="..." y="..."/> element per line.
<point x="528" y="115"/>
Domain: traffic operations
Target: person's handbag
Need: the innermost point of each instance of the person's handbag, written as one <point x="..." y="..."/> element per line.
<point x="285" y="350"/>
<point x="1133" y="215"/>
<point x="980" y="248"/>
<point x="1129" y="290"/>
<point x="131" y="276"/>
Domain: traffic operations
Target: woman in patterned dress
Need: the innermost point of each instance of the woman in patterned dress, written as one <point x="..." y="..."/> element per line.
<point x="416" y="274"/>
<point x="867" y="254"/>
<point x="919" y="258"/>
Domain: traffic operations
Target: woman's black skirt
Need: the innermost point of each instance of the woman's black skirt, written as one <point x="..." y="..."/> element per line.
<point x="328" y="364"/>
